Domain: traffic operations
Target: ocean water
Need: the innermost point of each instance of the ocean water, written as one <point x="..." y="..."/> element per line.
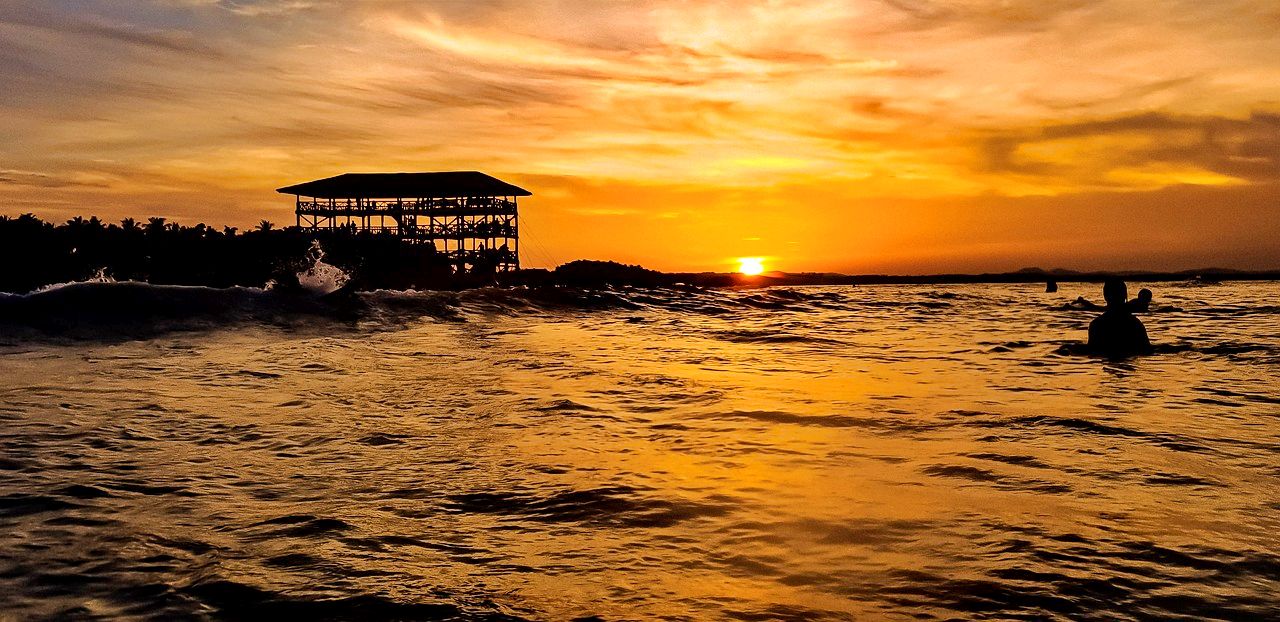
<point x="817" y="453"/>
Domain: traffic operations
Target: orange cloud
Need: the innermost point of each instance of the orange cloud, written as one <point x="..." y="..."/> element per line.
<point x="673" y="134"/>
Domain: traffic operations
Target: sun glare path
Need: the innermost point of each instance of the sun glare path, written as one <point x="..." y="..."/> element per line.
<point x="751" y="266"/>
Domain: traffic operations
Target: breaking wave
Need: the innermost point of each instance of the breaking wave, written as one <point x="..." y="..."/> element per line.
<point x="319" y="277"/>
<point x="103" y="309"/>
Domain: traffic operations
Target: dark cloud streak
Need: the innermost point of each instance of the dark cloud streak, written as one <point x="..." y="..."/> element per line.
<point x="1247" y="148"/>
<point x="169" y="40"/>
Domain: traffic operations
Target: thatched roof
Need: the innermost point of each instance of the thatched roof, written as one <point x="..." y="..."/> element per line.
<point x="406" y="185"/>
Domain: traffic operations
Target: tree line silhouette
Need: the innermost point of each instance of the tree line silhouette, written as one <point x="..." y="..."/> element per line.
<point x="37" y="253"/>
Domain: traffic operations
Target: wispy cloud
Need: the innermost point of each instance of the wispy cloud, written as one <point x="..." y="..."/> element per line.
<point x="41" y="180"/>
<point x="98" y="27"/>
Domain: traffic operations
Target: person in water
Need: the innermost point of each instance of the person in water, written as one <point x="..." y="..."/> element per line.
<point x="1083" y="304"/>
<point x="1117" y="332"/>
<point x="1142" y="303"/>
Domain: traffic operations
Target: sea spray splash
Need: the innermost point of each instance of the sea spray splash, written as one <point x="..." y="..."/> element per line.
<point x="99" y="276"/>
<point x="320" y="277"/>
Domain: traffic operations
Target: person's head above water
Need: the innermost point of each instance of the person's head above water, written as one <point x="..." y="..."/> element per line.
<point x="1117" y="332"/>
<point x="1115" y="292"/>
<point x="1144" y="295"/>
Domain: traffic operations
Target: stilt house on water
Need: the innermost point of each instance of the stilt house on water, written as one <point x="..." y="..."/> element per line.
<point x="467" y="216"/>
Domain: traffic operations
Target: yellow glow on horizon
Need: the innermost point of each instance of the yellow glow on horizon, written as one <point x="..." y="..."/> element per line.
<point x="751" y="266"/>
<point x="1159" y="176"/>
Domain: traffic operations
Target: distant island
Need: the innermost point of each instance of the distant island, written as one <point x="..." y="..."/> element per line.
<point x="603" y="273"/>
<point x="36" y="253"/>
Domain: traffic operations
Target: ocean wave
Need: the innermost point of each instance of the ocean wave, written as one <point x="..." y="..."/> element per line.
<point x="133" y="309"/>
<point x="1226" y="348"/>
<point x="105" y="309"/>
<point x="238" y="600"/>
<point x="770" y="336"/>
<point x="610" y="505"/>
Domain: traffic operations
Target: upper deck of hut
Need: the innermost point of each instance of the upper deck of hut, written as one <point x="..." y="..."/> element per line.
<point x="443" y="194"/>
<point x="451" y="184"/>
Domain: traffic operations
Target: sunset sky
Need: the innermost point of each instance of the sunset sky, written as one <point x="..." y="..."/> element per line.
<point x="899" y="136"/>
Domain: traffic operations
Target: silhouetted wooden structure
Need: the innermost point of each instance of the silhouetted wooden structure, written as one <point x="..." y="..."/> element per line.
<point x="468" y="216"/>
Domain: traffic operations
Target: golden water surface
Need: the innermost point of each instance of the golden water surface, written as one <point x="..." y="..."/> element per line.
<point x="880" y="452"/>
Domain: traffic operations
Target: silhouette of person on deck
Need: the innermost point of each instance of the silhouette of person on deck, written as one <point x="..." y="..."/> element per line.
<point x="1117" y="333"/>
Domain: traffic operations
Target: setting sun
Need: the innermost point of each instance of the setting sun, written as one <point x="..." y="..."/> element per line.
<point x="751" y="266"/>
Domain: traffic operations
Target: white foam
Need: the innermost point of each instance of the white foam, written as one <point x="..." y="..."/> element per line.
<point x="100" y="276"/>
<point x="321" y="278"/>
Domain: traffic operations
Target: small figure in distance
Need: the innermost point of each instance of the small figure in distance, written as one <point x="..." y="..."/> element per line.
<point x="1142" y="303"/>
<point x="1083" y="304"/>
<point x="1117" y="333"/>
<point x="1051" y="287"/>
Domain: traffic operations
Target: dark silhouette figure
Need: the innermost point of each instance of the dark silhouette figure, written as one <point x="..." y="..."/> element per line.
<point x="1117" y="333"/>
<point x="1051" y="287"/>
<point x="1084" y="304"/>
<point x="1142" y="303"/>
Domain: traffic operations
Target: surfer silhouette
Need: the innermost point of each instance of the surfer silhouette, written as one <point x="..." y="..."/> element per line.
<point x="1142" y="303"/>
<point x="1117" y="333"/>
<point x="1084" y="304"/>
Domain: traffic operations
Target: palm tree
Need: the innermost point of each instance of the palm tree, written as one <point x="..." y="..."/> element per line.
<point x="155" y="225"/>
<point x="265" y="226"/>
<point x="128" y="224"/>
